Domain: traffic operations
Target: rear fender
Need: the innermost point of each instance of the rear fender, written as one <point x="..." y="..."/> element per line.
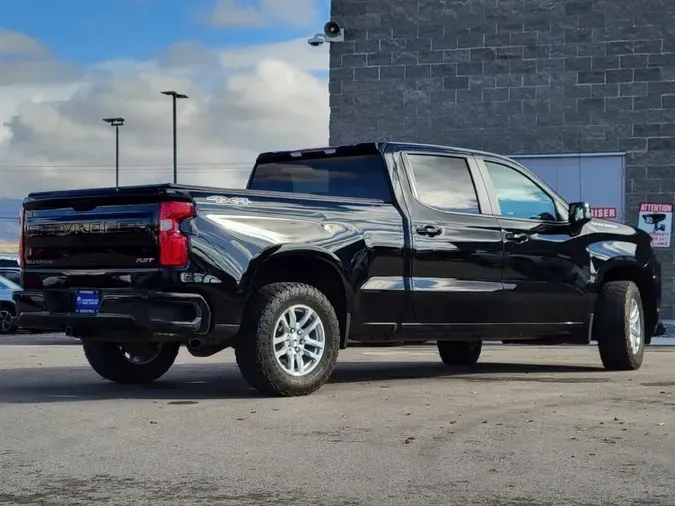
<point x="303" y="254"/>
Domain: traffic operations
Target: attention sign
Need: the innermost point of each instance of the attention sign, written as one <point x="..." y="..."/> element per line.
<point x="657" y="220"/>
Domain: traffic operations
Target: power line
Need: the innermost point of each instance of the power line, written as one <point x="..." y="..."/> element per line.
<point x="205" y="164"/>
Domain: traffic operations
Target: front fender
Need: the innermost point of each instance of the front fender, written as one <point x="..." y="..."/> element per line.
<point x="612" y="264"/>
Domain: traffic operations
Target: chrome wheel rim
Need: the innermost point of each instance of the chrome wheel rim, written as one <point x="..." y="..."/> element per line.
<point x="6" y="321"/>
<point x="141" y="354"/>
<point x="635" y="327"/>
<point x="299" y="340"/>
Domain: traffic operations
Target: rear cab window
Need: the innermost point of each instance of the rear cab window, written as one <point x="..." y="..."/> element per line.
<point x="359" y="176"/>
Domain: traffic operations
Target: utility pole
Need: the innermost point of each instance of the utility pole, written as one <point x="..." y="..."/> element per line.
<point x="117" y="123"/>
<point x="175" y="97"/>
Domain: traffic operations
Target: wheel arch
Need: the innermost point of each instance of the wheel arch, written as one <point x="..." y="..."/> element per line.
<point x="313" y="266"/>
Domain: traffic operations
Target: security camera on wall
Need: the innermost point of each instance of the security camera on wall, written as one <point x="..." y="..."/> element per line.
<point x="332" y="32"/>
<point x="317" y="40"/>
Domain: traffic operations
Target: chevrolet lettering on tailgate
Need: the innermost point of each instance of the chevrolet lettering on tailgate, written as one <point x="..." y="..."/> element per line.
<point x="89" y="227"/>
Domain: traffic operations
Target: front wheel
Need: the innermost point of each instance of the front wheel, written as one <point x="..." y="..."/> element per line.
<point x="130" y="363"/>
<point x="290" y="340"/>
<point x="619" y="326"/>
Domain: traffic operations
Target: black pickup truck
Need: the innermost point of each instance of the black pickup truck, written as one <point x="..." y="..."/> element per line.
<point x="374" y="242"/>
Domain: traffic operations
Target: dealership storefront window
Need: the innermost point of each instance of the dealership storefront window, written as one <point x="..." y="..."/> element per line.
<point x="596" y="178"/>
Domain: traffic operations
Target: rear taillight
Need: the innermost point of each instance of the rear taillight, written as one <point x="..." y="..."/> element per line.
<point x="174" y="247"/>
<point x="21" y="251"/>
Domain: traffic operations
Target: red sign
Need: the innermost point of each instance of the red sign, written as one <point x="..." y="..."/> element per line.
<point x="646" y="207"/>
<point x="656" y="219"/>
<point x="605" y="213"/>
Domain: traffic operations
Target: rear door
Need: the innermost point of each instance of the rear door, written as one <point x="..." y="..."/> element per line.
<point x="456" y="243"/>
<point x="546" y="264"/>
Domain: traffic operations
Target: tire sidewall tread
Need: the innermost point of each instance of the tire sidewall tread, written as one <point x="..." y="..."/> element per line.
<point x="12" y="311"/>
<point x="255" y="350"/>
<point x="611" y="326"/>
<point x="108" y="361"/>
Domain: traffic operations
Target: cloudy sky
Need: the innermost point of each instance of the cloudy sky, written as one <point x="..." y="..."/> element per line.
<point x="253" y="81"/>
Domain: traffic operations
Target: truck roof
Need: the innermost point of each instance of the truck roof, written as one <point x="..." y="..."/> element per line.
<point x="365" y="148"/>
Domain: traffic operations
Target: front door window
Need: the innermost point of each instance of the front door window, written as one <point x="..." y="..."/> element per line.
<point x="519" y="196"/>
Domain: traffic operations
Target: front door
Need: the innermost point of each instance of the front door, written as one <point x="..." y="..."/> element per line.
<point x="456" y="250"/>
<point x="546" y="265"/>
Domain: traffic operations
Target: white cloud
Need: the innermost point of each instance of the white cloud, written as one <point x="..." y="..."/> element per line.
<point x="297" y="52"/>
<point x="15" y="43"/>
<point x="242" y="101"/>
<point x="240" y="13"/>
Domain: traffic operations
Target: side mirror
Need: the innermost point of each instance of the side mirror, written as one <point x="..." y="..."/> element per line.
<point x="580" y="213"/>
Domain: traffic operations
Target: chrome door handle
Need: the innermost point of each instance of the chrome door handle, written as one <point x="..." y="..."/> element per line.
<point x="429" y="230"/>
<point x="517" y="237"/>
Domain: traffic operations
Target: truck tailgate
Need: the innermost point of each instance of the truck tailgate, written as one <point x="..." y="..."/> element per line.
<point x="115" y="229"/>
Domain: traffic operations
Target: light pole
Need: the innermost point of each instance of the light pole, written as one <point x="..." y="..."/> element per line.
<point x="175" y="96"/>
<point x="117" y="123"/>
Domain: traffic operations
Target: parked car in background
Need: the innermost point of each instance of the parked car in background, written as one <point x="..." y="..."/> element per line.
<point x="11" y="273"/>
<point x="7" y="307"/>
<point x="9" y="268"/>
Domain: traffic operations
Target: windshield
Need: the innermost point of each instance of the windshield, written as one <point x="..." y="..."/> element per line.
<point x="7" y="284"/>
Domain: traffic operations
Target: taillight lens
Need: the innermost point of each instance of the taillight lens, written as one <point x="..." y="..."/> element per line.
<point x="174" y="247"/>
<point x="21" y="251"/>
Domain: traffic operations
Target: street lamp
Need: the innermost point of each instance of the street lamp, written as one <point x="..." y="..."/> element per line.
<point x="117" y="123"/>
<point x="175" y="96"/>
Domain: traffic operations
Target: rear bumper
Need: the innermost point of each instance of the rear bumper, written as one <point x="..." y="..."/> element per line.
<point x="134" y="313"/>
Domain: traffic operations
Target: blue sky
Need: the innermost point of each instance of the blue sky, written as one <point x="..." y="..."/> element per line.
<point x="253" y="81"/>
<point x="89" y="31"/>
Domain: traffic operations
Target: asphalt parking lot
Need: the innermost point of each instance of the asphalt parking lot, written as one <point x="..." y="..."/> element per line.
<point x="528" y="426"/>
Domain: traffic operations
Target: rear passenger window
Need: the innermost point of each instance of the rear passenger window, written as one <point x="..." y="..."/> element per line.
<point x="444" y="183"/>
<point x="362" y="177"/>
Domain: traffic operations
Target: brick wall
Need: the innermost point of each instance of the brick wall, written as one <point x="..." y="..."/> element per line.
<point x="515" y="76"/>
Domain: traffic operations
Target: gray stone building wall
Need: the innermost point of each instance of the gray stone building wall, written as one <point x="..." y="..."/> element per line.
<point x="515" y="77"/>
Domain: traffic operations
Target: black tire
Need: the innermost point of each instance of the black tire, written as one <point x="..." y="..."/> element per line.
<point x="109" y="361"/>
<point x="459" y="352"/>
<point x="255" y="350"/>
<point x="612" y="326"/>
<point x="7" y="319"/>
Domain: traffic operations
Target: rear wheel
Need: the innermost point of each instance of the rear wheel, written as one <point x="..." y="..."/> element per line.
<point x="619" y="326"/>
<point x="7" y="319"/>
<point x="290" y="341"/>
<point x="130" y="363"/>
<point x="459" y="352"/>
